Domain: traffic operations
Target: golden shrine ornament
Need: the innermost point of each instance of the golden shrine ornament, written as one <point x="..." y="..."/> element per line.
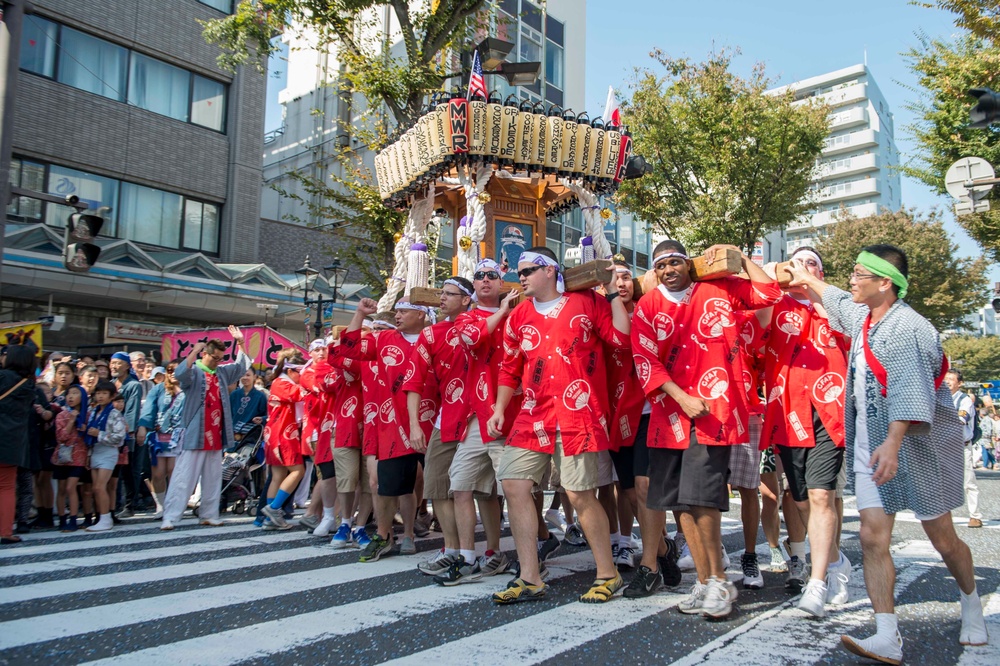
<point x="465" y="242"/>
<point x="605" y="213"/>
<point x="484" y="197"/>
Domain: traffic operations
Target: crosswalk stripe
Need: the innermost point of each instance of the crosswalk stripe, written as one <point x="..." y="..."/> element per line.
<point x="280" y="636"/>
<point x="541" y="636"/>
<point x="986" y="655"/>
<point x="143" y="553"/>
<point x="70" y="542"/>
<point x="798" y="639"/>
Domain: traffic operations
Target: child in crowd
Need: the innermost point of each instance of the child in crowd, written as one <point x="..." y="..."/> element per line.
<point x="106" y="432"/>
<point x="70" y="456"/>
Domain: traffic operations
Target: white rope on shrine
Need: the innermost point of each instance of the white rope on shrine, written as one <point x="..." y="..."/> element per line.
<point x="593" y="224"/>
<point x="475" y="219"/>
<point x="413" y="233"/>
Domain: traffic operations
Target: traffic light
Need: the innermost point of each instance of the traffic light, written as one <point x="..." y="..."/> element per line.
<point x="987" y="108"/>
<point x="80" y="253"/>
<point x="986" y="385"/>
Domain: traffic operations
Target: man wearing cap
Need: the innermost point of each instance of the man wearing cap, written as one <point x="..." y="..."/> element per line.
<point x="805" y="368"/>
<point x="553" y="351"/>
<point x="208" y="427"/>
<point x="686" y="350"/>
<point x="398" y="462"/>
<point x="130" y="388"/>
<point x="903" y="440"/>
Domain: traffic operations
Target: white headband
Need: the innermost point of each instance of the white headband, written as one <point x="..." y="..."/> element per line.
<point x="295" y="366"/>
<point x="404" y="305"/>
<point x="669" y="255"/>
<point x="812" y="255"/>
<point x="458" y="284"/>
<point x="542" y="260"/>
<point x="622" y="269"/>
<point x="488" y="265"/>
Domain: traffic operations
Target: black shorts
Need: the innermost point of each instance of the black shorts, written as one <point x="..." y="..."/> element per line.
<point x="47" y="465"/>
<point x="86" y="476"/>
<point x="63" y="472"/>
<point x="119" y="469"/>
<point x="398" y="476"/>
<point x="624" y="458"/>
<point x="640" y="452"/>
<point x="815" y="467"/>
<point x="682" y="478"/>
<point x="326" y="469"/>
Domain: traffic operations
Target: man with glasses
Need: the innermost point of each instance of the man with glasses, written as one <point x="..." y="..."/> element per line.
<point x="207" y="423"/>
<point x="553" y="351"/>
<point x="903" y="439"/>
<point x="805" y="366"/>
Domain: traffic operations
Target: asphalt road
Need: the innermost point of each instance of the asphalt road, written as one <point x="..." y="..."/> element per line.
<point x="234" y="594"/>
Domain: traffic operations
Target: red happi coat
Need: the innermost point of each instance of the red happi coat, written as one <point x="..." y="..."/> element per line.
<point x="695" y="344"/>
<point x="317" y="419"/>
<point x="321" y="386"/>
<point x="752" y="336"/>
<point x="391" y="351"/>
<point x="558" y="359"/>
<point x="439" y="358"/>
<point x="282" y="431"/>
<point x="348" y="406"/>
<point x="485" y="352"/>
<point x="626" y="395"/>
<point x="805" y="369"/>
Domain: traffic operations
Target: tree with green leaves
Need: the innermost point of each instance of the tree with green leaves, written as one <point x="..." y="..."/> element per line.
<point x="943" y="288"/>
<point x="977" y="357"/>
<point x="946" y="69"/>
<point x="731" y="161"/>
<point x="394" y="83"/>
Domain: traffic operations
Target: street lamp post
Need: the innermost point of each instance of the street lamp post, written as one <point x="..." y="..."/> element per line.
<point x="335" y="274"/>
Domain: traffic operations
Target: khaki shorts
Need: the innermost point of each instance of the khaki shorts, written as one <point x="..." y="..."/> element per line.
<point x="577" y="473"/>
<point x="437" y="461"/>
<point x="605" y="469"/>
<point x="474" y="467"/>
<point x="347" y="465"/>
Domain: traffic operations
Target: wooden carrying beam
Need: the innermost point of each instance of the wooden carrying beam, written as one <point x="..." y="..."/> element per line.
<point x="427" y="297"/>
<point x="781" y="273"/>
<point x="731" y="263"/>
<point x="587" y="276"/>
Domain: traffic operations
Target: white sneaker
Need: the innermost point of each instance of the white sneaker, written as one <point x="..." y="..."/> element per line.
<point x="625" y="557"/>
<point x="837" y="578"/>
<point x="887" y="649"/>
<point x="694" y="602"/>
<point x="103" y="524"/>
<point x="813" y="598"/>
<point x="719" y="597"/>
<point x="325" y="527"/>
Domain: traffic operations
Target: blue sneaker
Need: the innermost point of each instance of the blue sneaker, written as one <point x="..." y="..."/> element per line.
<point x="259" y="520"/>
<point x="361" y="537"/>
<point x="342" y="539"/>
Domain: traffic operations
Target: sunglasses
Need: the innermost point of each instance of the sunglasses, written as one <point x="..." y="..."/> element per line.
<point x="525" y="272"/>
<point x="483" y="275"/>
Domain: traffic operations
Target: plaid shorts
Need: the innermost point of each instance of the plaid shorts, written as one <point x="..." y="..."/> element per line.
<point x="744" y="460"/>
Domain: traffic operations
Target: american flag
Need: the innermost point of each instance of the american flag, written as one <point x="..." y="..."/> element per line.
<point x="477" y="84"/>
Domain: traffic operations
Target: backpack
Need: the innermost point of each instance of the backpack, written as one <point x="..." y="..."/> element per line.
<point x="977" y="431"/>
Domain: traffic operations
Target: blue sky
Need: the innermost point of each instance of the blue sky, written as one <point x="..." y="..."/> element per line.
<point x="795" y="39"/>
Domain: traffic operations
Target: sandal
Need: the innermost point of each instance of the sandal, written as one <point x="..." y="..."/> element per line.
<point x="9" y="540"/>
<point x="518" y="590"/>
<point x="602" y="590"/>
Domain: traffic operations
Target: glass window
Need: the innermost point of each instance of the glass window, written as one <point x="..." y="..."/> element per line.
<point x="224" y="6"/>
<point x="573" y="237"/>
<point x="625" y="232"/>
<point x="158" y="87"/>
<point x="31" y="176"/>
<point x="92" y="64"/>
<point x="150" y="216"/>
<point x="509" y="6"/>
<point x="553" y="65"/>
<point x="642" y="260"/>
<point x="210" y="229"/>
<point x="531" y="15"/>
<point x="553" y="230"/>
<point x="530" y="49"/>
<point x="553" y="95"/>
<point x="554" y="30"/>
<point x="96" y="191"/>
<point x="38" y="46"/>
<point x="555" y="246"/>
<point x="208" y="103"/>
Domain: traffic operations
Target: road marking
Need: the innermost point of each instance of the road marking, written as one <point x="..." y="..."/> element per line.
<point x="543" y="635"/>
<point x="986" y="655"/>
<point x="281" y="636"/>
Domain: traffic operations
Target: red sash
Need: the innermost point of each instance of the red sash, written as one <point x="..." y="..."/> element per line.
<point x="881" y="376"/>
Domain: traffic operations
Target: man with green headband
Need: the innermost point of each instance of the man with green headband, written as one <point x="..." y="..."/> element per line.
<point x="903" y="440"/>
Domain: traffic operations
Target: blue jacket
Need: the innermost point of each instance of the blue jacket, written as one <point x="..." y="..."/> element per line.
<point x="131" y="390"/>
<point x="245" y="407"/>
<point x="192" y="382"/>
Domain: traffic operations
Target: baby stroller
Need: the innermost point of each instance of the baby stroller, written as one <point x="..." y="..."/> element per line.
<point x="241" y="485"/>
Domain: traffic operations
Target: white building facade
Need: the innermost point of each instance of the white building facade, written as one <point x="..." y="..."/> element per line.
<point x="857" y="169"/>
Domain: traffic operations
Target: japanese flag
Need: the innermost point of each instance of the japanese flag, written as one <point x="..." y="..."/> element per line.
<point x="612" y="113"/>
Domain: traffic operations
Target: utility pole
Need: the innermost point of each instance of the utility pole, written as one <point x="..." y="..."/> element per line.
<point x="10" y="64"/>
